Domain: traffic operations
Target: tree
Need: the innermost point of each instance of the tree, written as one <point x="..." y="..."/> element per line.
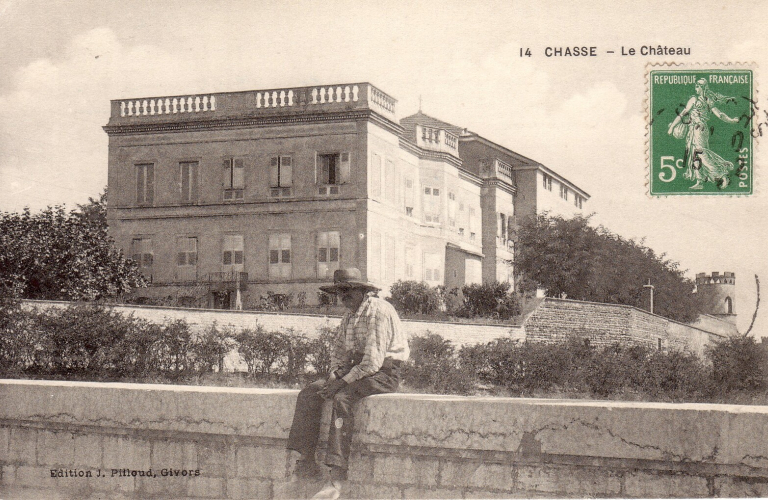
<point x="571" y="258"/>
<point x="63" y="255"/>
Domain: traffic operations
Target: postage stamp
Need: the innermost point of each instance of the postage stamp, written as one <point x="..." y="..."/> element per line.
<point x="700" y="131"/>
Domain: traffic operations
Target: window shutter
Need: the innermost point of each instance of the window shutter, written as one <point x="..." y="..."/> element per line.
<point x="227" y="172"/>
<point x="274" y="169"/>
<point x="195" y="173"/>
<point x="140" y="183"/>
<point x="238" y="178"/>
<point x="150" y="184"/>
<point x="345" y="165"/>
<point x="286" y="171"/>
<point x="185" y="194"/>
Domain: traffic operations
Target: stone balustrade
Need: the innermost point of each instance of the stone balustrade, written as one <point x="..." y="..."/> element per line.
<point x="227" y="104"/>
<point x="436" y="139"/>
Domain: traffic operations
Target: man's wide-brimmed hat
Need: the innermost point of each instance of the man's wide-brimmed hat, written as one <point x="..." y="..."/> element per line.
<point x="345" y="279"/>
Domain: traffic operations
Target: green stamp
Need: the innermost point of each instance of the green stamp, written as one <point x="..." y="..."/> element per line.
<point x="700" y="131"/>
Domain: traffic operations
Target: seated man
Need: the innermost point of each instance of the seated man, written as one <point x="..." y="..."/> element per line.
<point x="366" y="357"/>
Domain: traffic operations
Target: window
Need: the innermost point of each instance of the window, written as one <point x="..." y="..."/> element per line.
<point x="474" y="220"/>
<point x="431" y="204"/>
<point x="408" y="197"/>
<point x="279" y="256"/>
<point x="374" y="261"/>
<point x="141" y="253"/>
<point x="145" y="184"/>
<point x="333" y="168"/>
<point x="564" y="192"/>
<point x="502" y="229"/>
<point x="729" y="305"/>
<point x="547" y="181"/>
<point x="234" y="179"/>
<point x="375" y="175"/>
<point x="432" y="268"/>
<point x="280" y="176"/>
<point x="232" y="251"/>
<point x="328" y="245"/>
<point x="390" y="181"/>
<point x="389" y="257"/>
<point x="409" y="260"/>
<point x="186" y="251"/>
<point x="451" y="209"/>
<point x="188" y="170"/>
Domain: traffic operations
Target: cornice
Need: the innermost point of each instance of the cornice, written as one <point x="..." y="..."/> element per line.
<point x="236" y="122"/>
<point x="503" y="185"/>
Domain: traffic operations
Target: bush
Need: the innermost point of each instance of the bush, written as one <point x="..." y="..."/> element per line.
<point x="211" y="347"/>
<point x="490" y="300"/>
<point x="173" y="352"/>
<point x="411" y="297"/>
<point x="261" y="349"/>
<point x="320" y="349"/>
<point x="738" y="364"/>
<point x="433" y="366"/>
<point x="297" y="349"/>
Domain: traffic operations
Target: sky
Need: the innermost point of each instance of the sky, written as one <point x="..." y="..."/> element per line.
<point x="62" y="62"/>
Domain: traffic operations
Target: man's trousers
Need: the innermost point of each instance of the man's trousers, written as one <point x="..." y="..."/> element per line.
<point x="305" y="429"/>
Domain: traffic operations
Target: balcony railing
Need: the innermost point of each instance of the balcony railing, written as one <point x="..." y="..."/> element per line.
<point x="228" y="281"/>
<point x="233" y="104"/>
<point x="436" y="139"/>
<point x="497" y="168"/>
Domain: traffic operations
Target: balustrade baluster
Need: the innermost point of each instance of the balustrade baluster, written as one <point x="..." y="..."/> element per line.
<point x="174" y="102"/>
<point x="151" y="106"/>
<point x="282" y="98"/>
<point x="189" y="104"/>
<point x="122" y="108"/>
<point x="290" y="98"/>
<point x="213" y="103"/>
<point x="314" y="96"/>
<point x="355" y="92"/>
<point x="130" y="108"/>
<point x="197" y="104"/>
<point x="338" y="94"/>
<point x="274" y="99"/>
<point x="205" y="103"/>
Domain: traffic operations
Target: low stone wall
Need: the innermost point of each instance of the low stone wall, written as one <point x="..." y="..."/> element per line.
<point x="603" y="324"/>
<point x="200" y="319"/>
<point x="53" y="435"/>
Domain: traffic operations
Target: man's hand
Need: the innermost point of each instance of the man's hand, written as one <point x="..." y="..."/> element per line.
<point x="332" y="387"/>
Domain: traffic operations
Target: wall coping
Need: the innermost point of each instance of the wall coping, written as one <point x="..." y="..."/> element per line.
<point x="684" y="437"/>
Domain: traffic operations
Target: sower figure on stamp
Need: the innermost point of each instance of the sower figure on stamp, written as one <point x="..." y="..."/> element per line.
<point x="366" y="358"/>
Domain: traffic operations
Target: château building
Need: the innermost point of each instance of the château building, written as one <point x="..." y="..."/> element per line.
<point x="272" y="190"/>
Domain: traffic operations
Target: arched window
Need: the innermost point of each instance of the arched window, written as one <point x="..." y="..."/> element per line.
<point x="729" y="305"/>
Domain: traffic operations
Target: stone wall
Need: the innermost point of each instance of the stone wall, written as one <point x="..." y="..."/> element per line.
<point x="200" y="319"/>
<point x="405" y="446"/>
<point x="604" y="324"/>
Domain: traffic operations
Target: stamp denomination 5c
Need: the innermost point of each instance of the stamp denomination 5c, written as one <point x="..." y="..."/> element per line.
<point x="700" y="131"/>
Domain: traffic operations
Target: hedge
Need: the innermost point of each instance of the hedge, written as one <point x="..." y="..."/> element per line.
<point x="89" y="342"/>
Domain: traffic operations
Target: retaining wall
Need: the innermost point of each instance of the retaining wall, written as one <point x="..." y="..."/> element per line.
<point x="604" y="324"/>
<point x="405" y="445"/>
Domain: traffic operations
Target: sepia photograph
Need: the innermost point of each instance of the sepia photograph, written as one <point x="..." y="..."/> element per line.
<point x="383" y="250"/>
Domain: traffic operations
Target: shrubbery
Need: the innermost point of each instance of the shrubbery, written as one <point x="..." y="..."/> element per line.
<point x="411" y="297"/>
<point x="487" y="300"/>
<point x="90" y="342"/>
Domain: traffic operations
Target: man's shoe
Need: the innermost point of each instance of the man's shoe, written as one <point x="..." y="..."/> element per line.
<point x="308" y="469"/>
<point x="331" y="491"/>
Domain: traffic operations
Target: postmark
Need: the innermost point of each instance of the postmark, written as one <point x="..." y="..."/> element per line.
<point x="701" y="130"/>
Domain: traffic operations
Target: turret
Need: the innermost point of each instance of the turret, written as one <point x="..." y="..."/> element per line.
<point x="716" y="294"/>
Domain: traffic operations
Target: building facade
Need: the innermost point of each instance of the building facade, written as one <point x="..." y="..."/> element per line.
<point x="224" y="197"/>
